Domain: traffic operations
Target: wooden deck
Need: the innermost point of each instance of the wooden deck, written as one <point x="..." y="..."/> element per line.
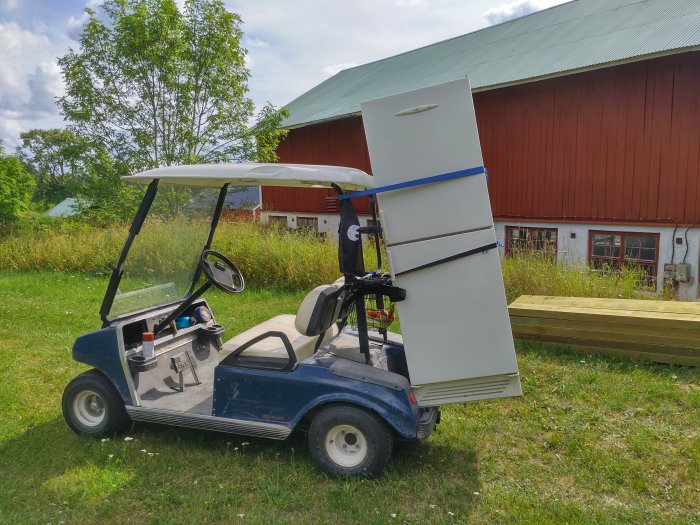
<point x="660" y="331"/>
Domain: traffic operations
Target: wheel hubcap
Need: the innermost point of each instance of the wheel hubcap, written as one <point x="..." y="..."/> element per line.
<point x="89" y="408"/>
<point x="346" y="445"/>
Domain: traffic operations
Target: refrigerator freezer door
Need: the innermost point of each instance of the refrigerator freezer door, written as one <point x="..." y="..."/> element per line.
<point x="420" y="134"/>
<point x="454" y="320"/>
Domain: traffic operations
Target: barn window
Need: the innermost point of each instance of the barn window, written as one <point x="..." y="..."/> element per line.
<point x="617" y="249"/>
<point x="279" y="221"/>
<point x="308" y="223"/>
<point x="539" y="240"/>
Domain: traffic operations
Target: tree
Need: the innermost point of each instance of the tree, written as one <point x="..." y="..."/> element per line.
<point x="103" y="197"/>
<point x="56" y="158"/>
<point x="16" y="187"/>
<point x="159" y="87"/>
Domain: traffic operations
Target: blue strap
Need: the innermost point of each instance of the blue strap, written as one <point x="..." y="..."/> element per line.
<point x="417" y="182"/>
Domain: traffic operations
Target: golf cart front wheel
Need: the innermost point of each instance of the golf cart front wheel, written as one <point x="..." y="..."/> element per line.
<point x="92" y="406"/>
<point x="347" y="441"/>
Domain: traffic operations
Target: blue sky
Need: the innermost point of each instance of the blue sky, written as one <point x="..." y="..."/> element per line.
<point x="292" y="46"/>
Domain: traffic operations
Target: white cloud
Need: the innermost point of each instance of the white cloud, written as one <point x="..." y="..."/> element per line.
<point x="9" y="133"/>
<point x="511" y="10"/>
<point x="257" y="42"/>
<point x="45" y="84"/>
<point x="75" y="26"/>
<point x="410" y="3"/>
<point x="29" y="80"/>
<point x="10" y="4"/>
<point x="40" y="26"/>
<point x="17" y="48"/>
<point x="337" y="68"/>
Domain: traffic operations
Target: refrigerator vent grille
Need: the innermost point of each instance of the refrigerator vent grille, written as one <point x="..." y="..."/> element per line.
<point x="444" y="393"/>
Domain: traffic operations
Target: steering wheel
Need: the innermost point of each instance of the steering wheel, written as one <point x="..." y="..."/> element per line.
<point x="221" y="272"/>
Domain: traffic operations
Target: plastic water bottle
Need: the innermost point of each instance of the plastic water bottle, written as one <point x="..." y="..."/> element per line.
<point x="147" y="348"/>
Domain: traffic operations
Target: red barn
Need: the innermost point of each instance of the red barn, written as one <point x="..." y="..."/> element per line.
<point x="589" y="118"/>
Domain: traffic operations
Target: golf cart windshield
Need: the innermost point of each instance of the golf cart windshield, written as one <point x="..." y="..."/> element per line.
<point x="158" y="263"/>
<point x="163" y="258"/>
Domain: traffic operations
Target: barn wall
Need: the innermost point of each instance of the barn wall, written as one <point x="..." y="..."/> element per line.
<point x="612" y="145"/>
<point x="573" y="246"/>
<point x="336" y="143"/>
<point x="615" y="144"/>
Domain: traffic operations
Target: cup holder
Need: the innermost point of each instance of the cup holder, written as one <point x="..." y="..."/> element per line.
<point x="213" y="334"/>
<point x="138" y="363"/>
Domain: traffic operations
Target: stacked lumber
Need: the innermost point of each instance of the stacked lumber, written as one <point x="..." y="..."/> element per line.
<point x="659" y="331"/>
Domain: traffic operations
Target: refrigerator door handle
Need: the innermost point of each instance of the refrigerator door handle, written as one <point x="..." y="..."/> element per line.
<point x="451" y="258"/>
<point x="417" y="109"/>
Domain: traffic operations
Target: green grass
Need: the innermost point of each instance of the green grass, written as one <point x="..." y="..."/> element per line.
<point x="593" y="440"/>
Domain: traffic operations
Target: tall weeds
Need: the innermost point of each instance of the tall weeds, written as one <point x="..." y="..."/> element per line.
<point x="266" y="256"/>
<point x="272" y="257"/>
<point x="537" y="274"/>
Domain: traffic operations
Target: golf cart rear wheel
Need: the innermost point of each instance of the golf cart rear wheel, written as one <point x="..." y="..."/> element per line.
<point x="347" y="441"/>
<point x="92" y="406"/>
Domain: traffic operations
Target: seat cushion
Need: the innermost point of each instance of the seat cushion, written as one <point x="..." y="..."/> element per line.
<point x="273" y="347"/>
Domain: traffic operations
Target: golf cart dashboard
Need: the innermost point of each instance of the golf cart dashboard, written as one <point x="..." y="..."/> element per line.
<point x="197" y="316"/>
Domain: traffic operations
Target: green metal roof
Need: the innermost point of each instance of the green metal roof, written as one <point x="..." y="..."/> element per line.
<point x="574" y="36"/>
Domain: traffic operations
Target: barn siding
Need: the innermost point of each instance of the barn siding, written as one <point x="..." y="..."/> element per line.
<point x="615" y="144"/>
<point x="336" y="143"/>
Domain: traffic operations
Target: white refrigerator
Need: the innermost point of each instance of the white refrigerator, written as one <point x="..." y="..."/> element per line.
<point x="440" y="242"/>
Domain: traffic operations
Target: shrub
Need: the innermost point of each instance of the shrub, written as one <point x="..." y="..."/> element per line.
<point x="16" y="186"/>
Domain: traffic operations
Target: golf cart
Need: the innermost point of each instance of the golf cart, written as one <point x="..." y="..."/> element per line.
<point x="334" y="369"/>
<point x="308" y="370"/>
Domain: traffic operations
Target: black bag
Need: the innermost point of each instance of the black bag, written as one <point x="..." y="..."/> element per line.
<point x="349" y="241"/>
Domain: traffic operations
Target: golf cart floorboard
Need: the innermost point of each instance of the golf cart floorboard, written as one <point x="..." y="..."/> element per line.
<point x="196" y="399"/>
<point x="159" y="387"/>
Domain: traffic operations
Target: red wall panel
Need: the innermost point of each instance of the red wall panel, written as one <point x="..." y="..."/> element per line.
<point x="615" y="144"/>
<point x="336" y="143"/>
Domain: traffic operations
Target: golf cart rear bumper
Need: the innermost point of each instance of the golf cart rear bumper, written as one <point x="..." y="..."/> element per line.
<point x="428" y="420"/>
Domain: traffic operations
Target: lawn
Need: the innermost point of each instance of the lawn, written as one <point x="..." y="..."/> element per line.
<point x="592" y="440"/>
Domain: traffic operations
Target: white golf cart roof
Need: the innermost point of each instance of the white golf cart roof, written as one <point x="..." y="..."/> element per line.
<point x="250" y="174"/>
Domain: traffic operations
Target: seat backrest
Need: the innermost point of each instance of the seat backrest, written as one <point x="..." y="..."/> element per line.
<point x="319" y="309"/>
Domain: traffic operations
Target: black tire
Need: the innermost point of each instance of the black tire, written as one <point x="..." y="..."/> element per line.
<point x="350" y="442"/>
<point x="93" y="407"/>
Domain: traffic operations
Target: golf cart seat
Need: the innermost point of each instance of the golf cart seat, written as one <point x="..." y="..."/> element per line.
<point x="284" y="340"/>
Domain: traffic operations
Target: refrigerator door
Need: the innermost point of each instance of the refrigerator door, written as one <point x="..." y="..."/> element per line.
<point x="419" y="134"/>
<point x="454" y="320"/>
